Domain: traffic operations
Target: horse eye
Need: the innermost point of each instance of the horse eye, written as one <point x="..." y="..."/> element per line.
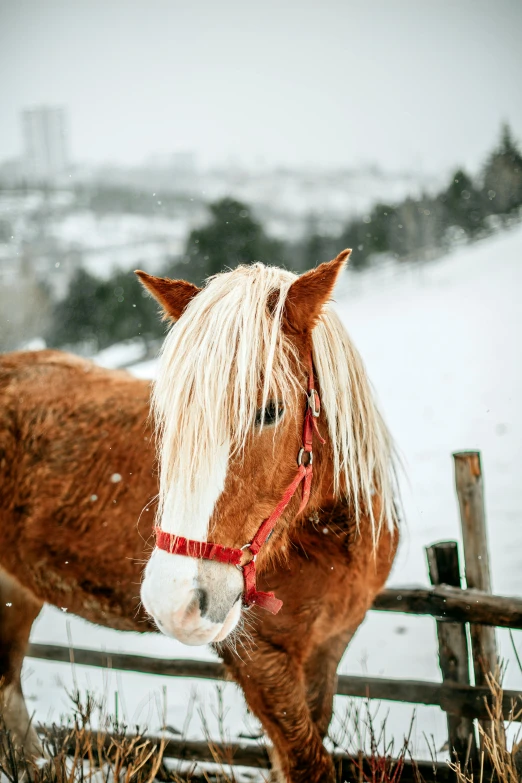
<point x="272" y="413"/>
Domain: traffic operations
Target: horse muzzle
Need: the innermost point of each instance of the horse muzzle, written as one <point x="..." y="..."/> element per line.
<point x="194" y="601"/>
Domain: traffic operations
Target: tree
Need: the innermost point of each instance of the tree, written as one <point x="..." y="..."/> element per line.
<point x="74" y="317"/>
<point x="382" y="219"/>
<point x="231" y="237"/>
<point x="314" y="248"/>
<point x="103" y="312"/>
<point x="503" y="176"/>
<point x="463" y="203"/>
<point x="354" y="235"/>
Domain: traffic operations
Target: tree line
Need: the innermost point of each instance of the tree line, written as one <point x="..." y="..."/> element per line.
<point x="101" y="312"/>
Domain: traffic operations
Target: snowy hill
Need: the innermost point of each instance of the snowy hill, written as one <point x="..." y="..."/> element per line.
<point x="442" y="346"/>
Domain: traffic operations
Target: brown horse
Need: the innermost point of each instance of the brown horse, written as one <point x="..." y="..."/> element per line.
<point x="77" y="485"/>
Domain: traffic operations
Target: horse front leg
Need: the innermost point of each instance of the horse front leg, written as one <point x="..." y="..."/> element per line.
<point x="18" y="610"/>
<point x="321" y="679"/>
<point x="275" y="689"/>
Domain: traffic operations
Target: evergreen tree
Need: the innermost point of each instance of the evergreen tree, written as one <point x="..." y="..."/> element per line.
<point x="103" y="312"/>
<point x="503" y="176"/>
<point x="382" y="219"/>
<point x="314" y="249"/>
<point x="74" y="317"/>
<point x="354" y="235"/>
<point x="231" y="237"/>
<point x="463" y="203"/>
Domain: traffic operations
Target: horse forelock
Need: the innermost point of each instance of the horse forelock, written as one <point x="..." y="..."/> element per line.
<point x="227" y="356"/>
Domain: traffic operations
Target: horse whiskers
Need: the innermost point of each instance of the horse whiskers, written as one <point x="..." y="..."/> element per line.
<point x="153" y="500"/>
<point x="242" y="634"/>
<point x="139" y="607"/>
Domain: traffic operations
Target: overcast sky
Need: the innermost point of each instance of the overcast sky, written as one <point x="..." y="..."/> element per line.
<point x="402" y="83"/>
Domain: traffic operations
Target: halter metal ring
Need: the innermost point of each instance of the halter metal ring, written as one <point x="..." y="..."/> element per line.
<point x="302" y="452"/>
<point x="314" y="403"/>
<point x="246" y="546"/>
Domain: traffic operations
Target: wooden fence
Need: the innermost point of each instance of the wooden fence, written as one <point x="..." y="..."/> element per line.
<point x="454" y="607"/>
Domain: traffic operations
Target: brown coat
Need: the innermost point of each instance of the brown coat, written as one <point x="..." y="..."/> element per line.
<point x="77" y="483"/>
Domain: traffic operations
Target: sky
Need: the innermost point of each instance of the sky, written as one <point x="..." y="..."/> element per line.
<point x="405" y="84"/>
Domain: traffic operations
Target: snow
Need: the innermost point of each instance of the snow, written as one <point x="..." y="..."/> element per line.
<point x="121" y="354"/>
<point x="442" y="345"/>
<point x="113" y="229"/>
<point x="119" y="241"/>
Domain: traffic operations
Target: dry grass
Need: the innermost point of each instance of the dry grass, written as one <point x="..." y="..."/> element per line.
<point x="500" y="759"/>
<point x="115" y="753"/>
<point x="78" y="753"/>
<point x="362" y="734"/>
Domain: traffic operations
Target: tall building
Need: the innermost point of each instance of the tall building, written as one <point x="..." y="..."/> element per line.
<point x="46" y="142"/>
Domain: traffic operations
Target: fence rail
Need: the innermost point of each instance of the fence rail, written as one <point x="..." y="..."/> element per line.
<point x="452" y="603"/>
<point x="463" y="700"/>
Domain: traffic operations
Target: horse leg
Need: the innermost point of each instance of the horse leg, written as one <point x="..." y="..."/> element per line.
<point x="18" y="609"/>
<point x="321" y="679"/>
<point x="275" y="689"/>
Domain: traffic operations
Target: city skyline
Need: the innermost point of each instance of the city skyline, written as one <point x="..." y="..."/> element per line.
<point x="46" y="142"/>
<point x="403" y="86"/>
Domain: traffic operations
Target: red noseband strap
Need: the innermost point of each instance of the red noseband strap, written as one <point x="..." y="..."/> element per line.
<point x="178" y="545"/>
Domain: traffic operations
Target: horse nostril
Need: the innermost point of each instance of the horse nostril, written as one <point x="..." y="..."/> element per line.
<point x="202" y="600"/>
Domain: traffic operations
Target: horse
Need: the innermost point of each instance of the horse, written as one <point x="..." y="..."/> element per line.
<point x="272" y="474"/>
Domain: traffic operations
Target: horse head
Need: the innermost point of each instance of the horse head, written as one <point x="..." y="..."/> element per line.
<point x="233" y="405"/>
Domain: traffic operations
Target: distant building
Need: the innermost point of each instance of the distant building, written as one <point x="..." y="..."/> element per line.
<point x="46" y="143"/>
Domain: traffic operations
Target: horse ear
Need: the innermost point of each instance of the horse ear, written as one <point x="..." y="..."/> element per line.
<point x="310" y="292"/>
<point x="173" y="295"/>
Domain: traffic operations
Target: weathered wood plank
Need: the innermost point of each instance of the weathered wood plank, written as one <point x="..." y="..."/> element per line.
<point x="465" y="700"/>
<point x="470" y="492"/>
<point x="458" y="700"/>
<point x="174" y="667"/>
<point x="443" y="566"/>
<point x="452" y="603"/>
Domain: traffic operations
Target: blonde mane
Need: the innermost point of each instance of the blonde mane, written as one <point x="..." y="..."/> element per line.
<point x="229" y="344"/>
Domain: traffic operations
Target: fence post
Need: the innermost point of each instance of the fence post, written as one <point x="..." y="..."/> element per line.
<point x="443" y="566"/>
<point x="470" y="492"/>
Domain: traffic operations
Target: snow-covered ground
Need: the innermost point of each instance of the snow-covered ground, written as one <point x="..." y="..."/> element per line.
<point x="442" y="346"/>
<point x="119" y="241"/>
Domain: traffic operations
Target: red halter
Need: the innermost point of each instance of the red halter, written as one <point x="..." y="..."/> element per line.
<point x="177" y="545"/>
